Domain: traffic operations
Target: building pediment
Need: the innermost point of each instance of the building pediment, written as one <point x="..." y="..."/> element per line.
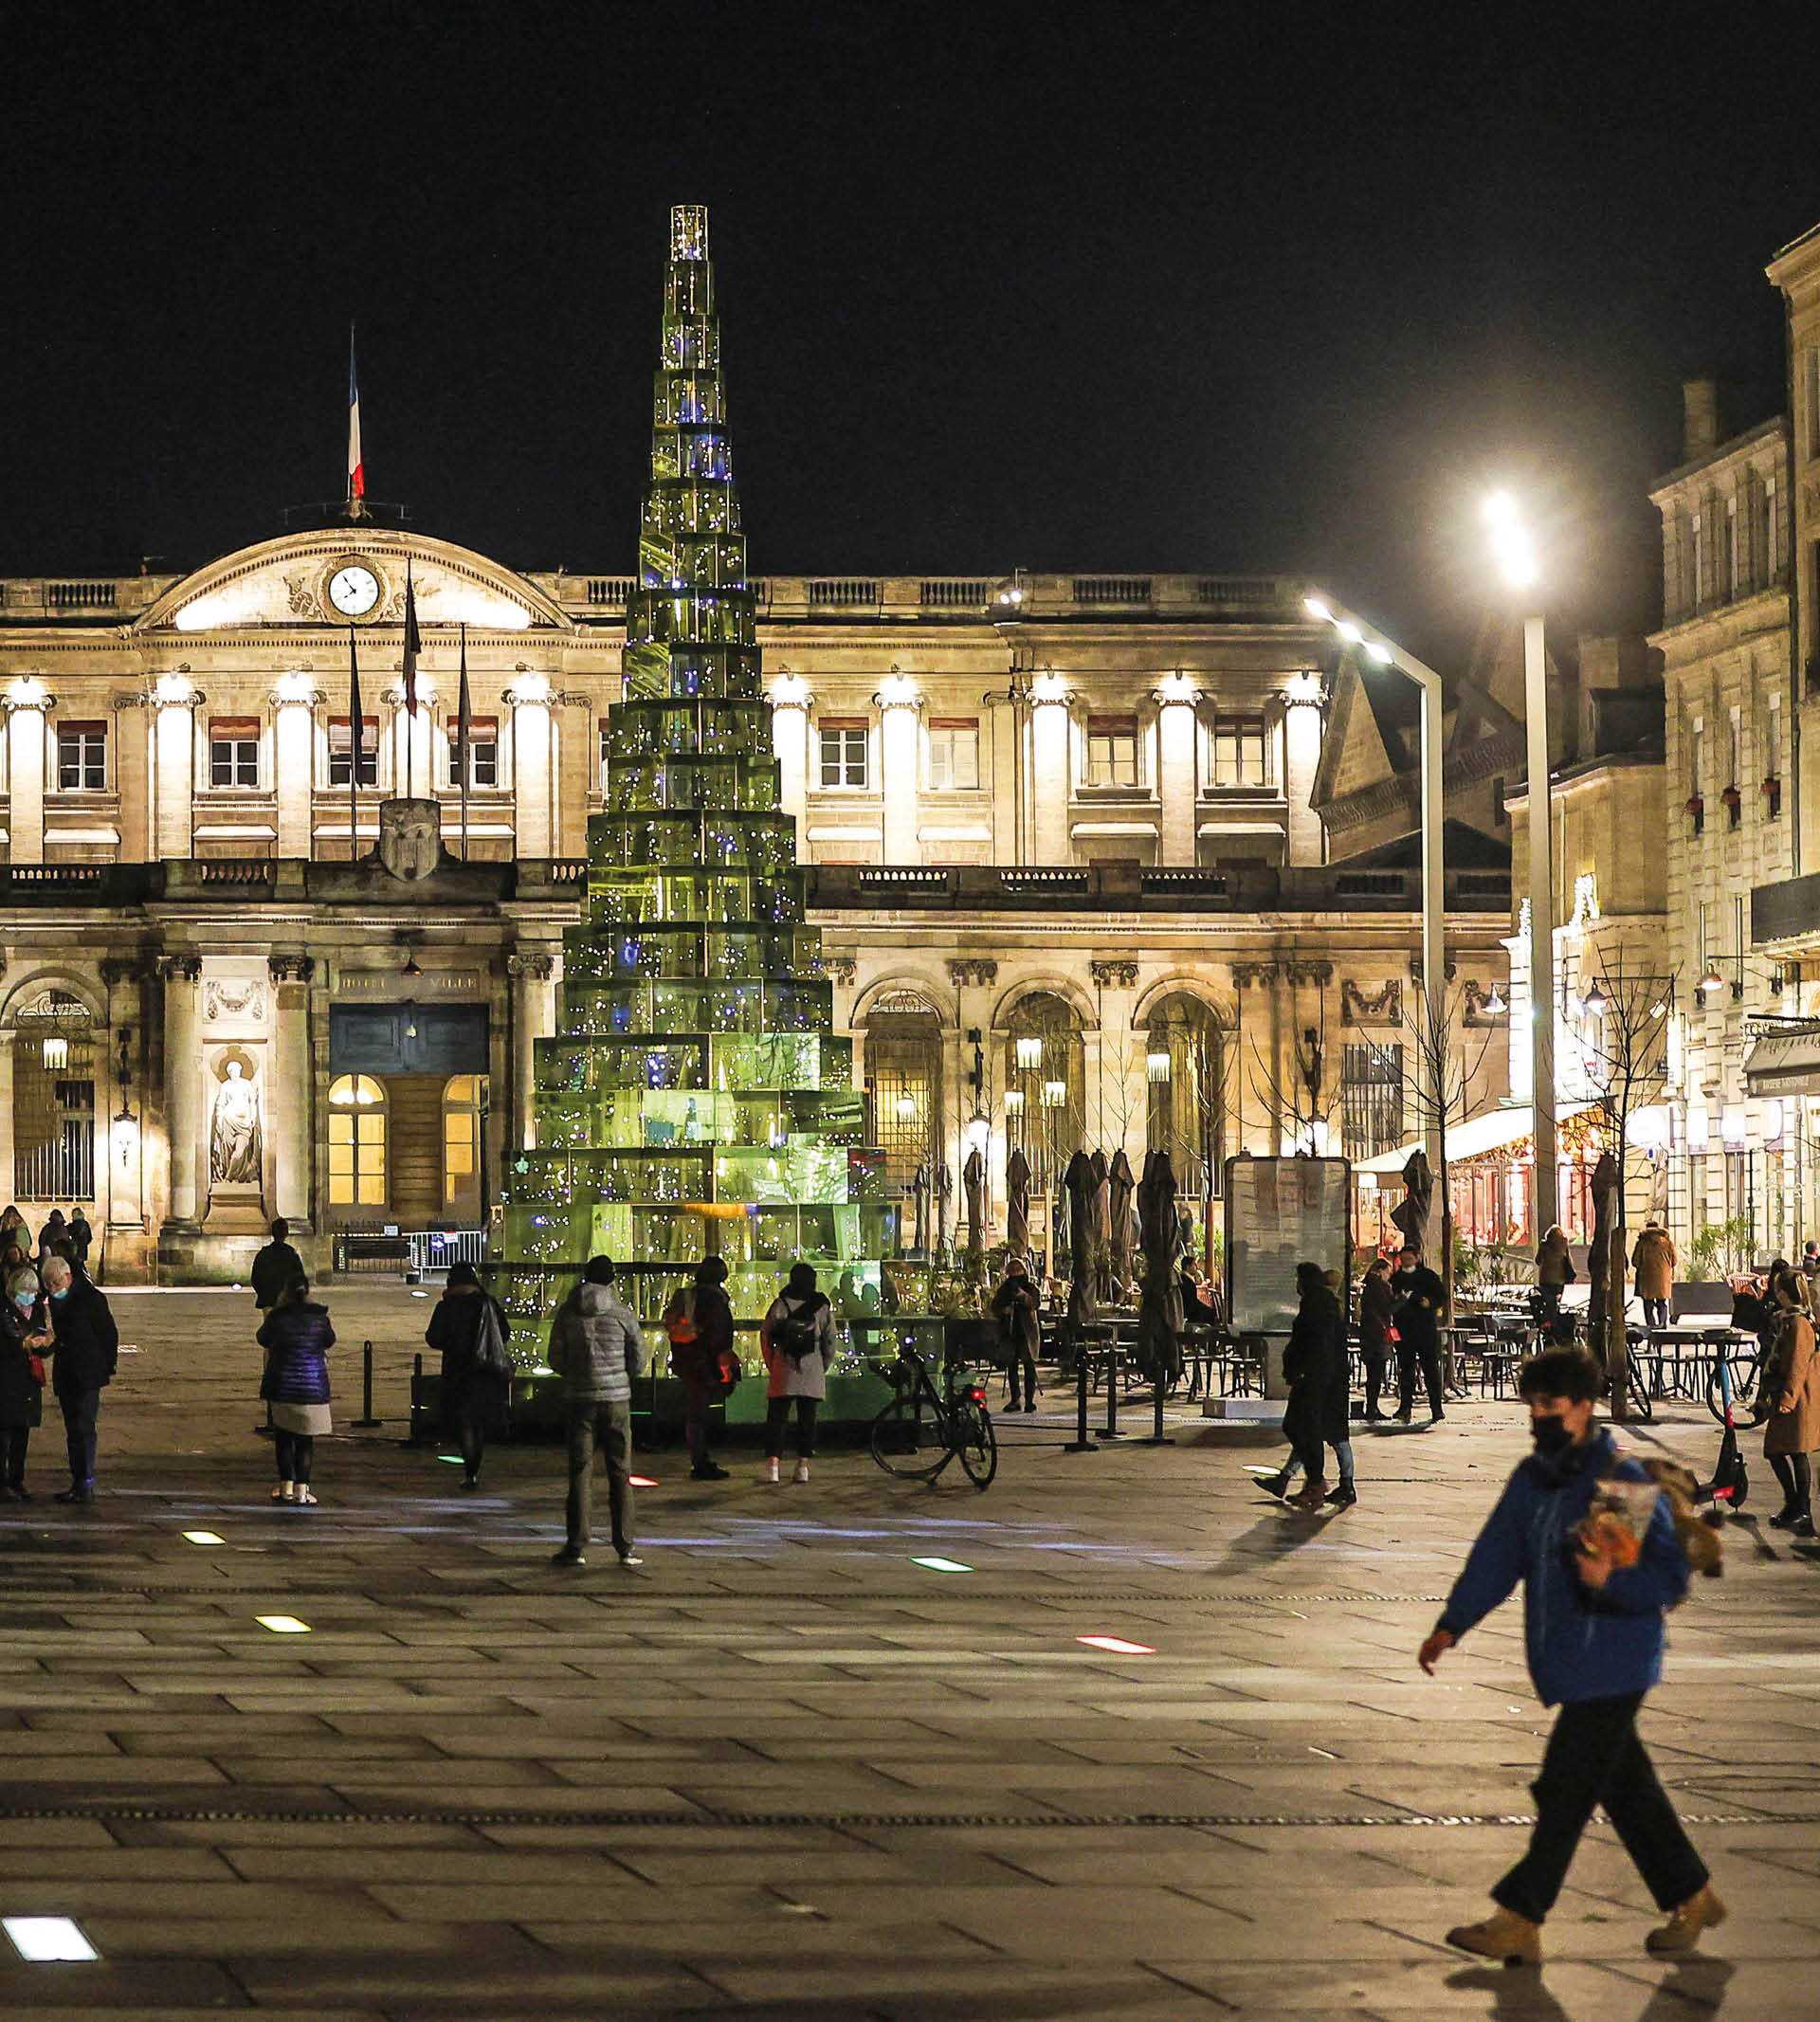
<point x="286" y="582"/>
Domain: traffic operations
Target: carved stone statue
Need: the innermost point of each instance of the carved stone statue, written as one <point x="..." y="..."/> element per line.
<point x="411" y="838"/>
<point x="234" y="1140"/>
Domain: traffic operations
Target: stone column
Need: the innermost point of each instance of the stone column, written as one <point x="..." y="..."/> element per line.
<point x="1302" y="731"/>
<point x="175" y="702"/>
<point x="123" y="1199"/>
<point x="293" y="1126"/>
<point x="529" y="699"/>
<point x="534" y="1017"/>
<point x="183" y="1085"/>
<point x="976" y="982"/>
<point x="791" y="702"/>
<point x="295" y="702"/>
<point x="1049" y="783"/>
<point x="1121" y="1092"/>
<point x="1177" y="785"/>
<point x="27" y="704"/>
<point x="900" y="709"/>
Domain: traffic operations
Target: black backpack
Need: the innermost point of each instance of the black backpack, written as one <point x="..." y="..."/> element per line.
<point x="796" y="1333"/>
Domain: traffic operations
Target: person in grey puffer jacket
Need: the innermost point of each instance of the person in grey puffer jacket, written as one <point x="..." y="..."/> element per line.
<point x="596" y="1348"/>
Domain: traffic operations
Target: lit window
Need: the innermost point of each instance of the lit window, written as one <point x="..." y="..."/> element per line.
<point x="233" y="751"/>
<point x="482" y="752"/>
<point x="954" y="755"/>
<point x="82" y="758"/>
<point x="605" y="738"/>
<point x="1111" y="751"/>
<point x="1240" y="752"/>
<point x="340" y="747"/>
<point x="357" y="1142"/>
<point x="842" y="755"/>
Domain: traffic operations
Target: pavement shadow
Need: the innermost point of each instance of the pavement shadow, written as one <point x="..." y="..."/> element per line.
<point x="1275" y="1534"/>
<point x="1689" y="1983"/>
<point x="1516" y="1992"/>
<point x="1691" y="1986"/>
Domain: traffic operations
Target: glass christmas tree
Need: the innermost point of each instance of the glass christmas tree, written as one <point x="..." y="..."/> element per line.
<point x="696" y="1101"/>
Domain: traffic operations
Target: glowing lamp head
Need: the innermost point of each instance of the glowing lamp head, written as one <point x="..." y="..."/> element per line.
<point x="1349" y="631"/>
<point x="1511" y="546"/>
<point x="1315" y="608"/>
<point x="1156" y="1066"/>
<point x="1710" y="983"/>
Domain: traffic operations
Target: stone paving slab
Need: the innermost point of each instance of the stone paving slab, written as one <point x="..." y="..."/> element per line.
<point x="784" y="1771"/>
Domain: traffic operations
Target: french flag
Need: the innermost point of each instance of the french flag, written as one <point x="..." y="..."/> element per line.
<point x="357" y="465"/>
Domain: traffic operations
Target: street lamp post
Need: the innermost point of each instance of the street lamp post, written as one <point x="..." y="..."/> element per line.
<point x="1516" y="557"/>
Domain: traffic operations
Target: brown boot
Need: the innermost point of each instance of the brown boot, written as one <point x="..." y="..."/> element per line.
<point x="1681" y="1932"/>
<point x="1504" y="1936"/>
<point x="1312" y="1496"/>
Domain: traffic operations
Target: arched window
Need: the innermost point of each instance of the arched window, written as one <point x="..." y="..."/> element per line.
<point x="1045" y="1070"/>
<point x="463" y="1105"/>
<point x="53" y="1099"/>
<point x="357" y="1142"/>
<point x="1182" y="1080"/>
<point x="904" y="1083"/>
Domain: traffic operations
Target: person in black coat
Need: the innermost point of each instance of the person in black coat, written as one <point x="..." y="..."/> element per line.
<point x="1420" y="1297"/>
<point x="297" y="1336"/>
<point x="83" y="1358"/>
<point x="1319" y="1413"/>
<point x="1376" y="1310"/>
<point x="24" y="1336"/>
<point x="275" y="1268"/>
<point x="698" y="1322"/>
<point x="473" y="1399"/>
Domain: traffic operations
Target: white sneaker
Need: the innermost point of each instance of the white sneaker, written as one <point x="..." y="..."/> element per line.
<point x="770" y="1471"/>
<point x="802" y="1471"/>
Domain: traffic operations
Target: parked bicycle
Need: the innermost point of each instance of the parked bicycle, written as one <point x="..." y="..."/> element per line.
<point x="922" y="1428"/>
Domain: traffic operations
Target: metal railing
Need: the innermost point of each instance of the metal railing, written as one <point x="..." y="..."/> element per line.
<point x="435" y="1249"/>
<point x="61" y="1170"/>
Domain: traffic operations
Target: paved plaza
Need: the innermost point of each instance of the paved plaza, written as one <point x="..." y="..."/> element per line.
<point x="787" y="1770"/>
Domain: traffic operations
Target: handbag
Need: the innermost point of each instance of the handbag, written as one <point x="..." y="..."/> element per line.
<point x="732" y="1374"/>
<point x="35" y="1362"/>
<point x="491" y="1356"/>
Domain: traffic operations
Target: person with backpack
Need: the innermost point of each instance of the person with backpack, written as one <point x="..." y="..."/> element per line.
<point x="699" y="1321"/>
<point x="596" y="1347"/>
<point x="469" y="1331"/>
<point x="297" y="1338"/>
<point x="799" y="1345"/>
<point x="1555" y="1270"/>
<point x="1596" y="1583"/>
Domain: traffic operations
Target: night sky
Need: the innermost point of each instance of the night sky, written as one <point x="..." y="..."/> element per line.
<point x="1221" y="288"/>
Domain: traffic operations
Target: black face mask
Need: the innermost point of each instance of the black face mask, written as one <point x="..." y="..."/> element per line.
<point x="1551" y="1434"/>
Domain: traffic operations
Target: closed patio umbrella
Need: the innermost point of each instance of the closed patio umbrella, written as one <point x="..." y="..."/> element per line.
<point x="1120" y="1186"/>
<point x="1079" y="1184"/>
<point x="1159" y="1314"/>
<point x="1017" y="1204"/>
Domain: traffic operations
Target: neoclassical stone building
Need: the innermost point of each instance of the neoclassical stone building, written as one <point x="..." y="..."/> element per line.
<point x="1070" y="867"/>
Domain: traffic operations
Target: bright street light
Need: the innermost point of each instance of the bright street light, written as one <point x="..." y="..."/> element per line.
<point x="1510" y="541"/>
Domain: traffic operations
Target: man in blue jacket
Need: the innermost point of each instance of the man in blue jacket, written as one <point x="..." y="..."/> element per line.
<point x="1593" y="1636"/>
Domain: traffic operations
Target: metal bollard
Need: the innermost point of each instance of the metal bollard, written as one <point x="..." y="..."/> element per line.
<point x="366" y="1421"/>
<point x="1082" y="1441"/>
<point x="416" y="1399"/>
<point x="1157" y="1437"/>
<point x="1111" y="1429"/>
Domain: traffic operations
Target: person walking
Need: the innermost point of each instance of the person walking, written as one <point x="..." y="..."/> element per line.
<point x="297" y="1338"/>
<point x="1376" y="1312"/>
<point x="699" y="1321"/>
<point x="84" y="1354"/>
<point x="596" y="1348"/>
<point x="1594" y="1600"/>
<point x="82" y="1233"/>
<point x="1791" y="1430"/>
<point x="53" y="1232"/>
<point x="1555" y="1272"/>
<point x="25" y="1335"/>
<point x="1020" y="1332"/>
<point x="799" y="1345"/>
<point x="1420" y="1297"/>
<point x="473" y="1391"/>
<point x="1319" y="1410"/>
<point x="1654" y="1266"/>
<point x="274" y="1266"/>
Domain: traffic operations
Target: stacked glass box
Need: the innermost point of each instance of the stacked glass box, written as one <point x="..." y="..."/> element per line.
<point x="696" y="1100"/>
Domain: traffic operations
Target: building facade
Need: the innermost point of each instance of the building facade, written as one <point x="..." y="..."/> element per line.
<point x="1067" y="847"/>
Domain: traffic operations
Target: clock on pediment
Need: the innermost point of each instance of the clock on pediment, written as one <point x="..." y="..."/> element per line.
<point x="352" y="589"/>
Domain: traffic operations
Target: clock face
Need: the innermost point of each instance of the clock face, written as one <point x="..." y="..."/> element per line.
<point x="353" y="590"/>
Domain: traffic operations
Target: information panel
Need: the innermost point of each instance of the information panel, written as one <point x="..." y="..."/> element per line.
<point x="1281" y="1212"/>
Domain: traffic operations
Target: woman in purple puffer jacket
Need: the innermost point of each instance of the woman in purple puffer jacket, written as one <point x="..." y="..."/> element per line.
<point x="297" y="1338"/>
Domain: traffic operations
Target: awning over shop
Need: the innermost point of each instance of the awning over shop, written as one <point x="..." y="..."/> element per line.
<point x="1498" y="1130"/>
<point x="1784" y="1063"/>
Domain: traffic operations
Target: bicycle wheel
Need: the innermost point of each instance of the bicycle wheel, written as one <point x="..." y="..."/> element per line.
<point x="976" y="1443"/>
<point x="1636" y="1386"/>
<point x="908" y="1439"/>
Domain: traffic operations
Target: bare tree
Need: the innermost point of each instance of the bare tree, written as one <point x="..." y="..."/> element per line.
<point x="1624" y="1047"/>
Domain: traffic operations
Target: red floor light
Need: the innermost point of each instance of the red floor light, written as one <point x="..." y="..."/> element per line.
<point x="1117" y="1646"/>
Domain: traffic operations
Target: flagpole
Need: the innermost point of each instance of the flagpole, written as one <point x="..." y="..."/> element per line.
<point x="464" y="734"/>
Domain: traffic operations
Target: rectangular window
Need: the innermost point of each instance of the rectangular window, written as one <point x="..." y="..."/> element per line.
<point x="1698" y="1214"/>
<point x="1772" y="758"/>
<point x="843" y="747"/>
<point x="1240" y="753"/>
<point x="341" y="751"/>
<point x="482" y="752"/>
<point x="1734" y="574"/>
<point x="954" y="755"/>
<point x="1812" y="377"/>
<point x="82" y="758"/>
<point x="606" y="737"/>
<point x="1111" y="751"/>
<point x="1699" y="597"/>
<point x="233" y="751"/>
<point x="1372" y="1099"/>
